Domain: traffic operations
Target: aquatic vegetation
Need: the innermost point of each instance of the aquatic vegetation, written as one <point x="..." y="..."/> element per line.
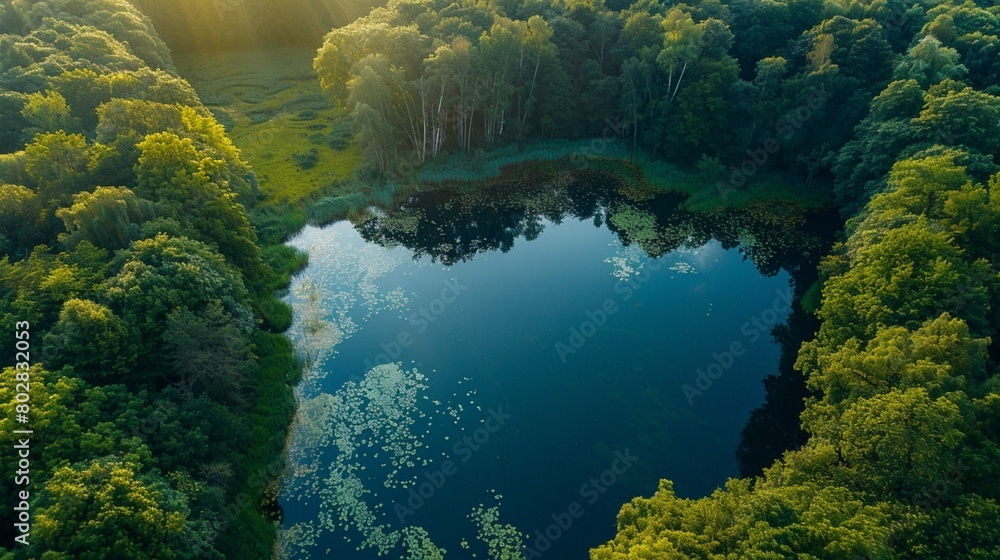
<point x="356" y="454"/>
<point x="376" y="420"/>
<point x="332" y="207"/>
<point x="683" y="268"/>
<point x="640" y="227"/>
<point x="504" y="541"/>
<point x="316" y="335"/>
<point x="404" y="223"/>
<point x="295" y="539"/>
<point x="419" y="545"/>
<point x="329" y="308"/>
<point x="374" y="416"/>
<point x="370" y="436"/>
<point x="769" y="233"/>
<point x="384" y="194"/>
<point x="627" y="263"/>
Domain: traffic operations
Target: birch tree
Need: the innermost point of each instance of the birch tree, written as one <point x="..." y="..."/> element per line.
<point x="682" y="43"/>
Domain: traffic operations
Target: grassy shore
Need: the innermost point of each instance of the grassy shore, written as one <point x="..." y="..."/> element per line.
<point x="299" y="144"/>
<point x="464" y="170"/>
<point x="701" y="187"/>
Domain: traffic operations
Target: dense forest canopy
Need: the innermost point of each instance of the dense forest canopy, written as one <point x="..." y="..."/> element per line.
<point x="728" y="87"/>
<point x="132" y="240"/>
<point x="158" y="395"/>
<point x="895" y="102"/>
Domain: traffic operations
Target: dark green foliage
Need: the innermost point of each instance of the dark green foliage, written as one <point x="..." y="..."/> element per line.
<point x="682" y="82"/>
<point x="194" y="191"/>
<point x="284" y="261"/>
<point x="122" y="21"/>
<point x="274" y="225"/>
<point x="125" y="241"/>
<point x="306" y="160"/>
<point x="159" y="275"/>
<point x="901" y="396"/>
<point x="19" y="211"/>
<point x="277" y="315"/>
<point x="46" y="113"/>
<point x="224" y="118"/>
<point x="129" y="239"/>
<point x="11" y="105"/>
<point x="208" y="351"/>
<point x="56" y="166"/>
<point x="109" y="218"/>
<point x="86" y="90"/>
<point x="271" y="410"/>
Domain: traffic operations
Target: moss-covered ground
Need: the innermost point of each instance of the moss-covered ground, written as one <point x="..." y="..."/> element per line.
<point x="271" y="104"/>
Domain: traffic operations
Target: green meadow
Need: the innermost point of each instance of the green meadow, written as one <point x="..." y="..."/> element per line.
<point x="271" y="104"/>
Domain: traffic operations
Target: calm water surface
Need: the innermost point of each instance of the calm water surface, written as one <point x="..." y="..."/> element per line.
<point x="506" y="368"/>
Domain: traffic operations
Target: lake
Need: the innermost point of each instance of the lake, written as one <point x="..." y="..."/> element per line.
<point x="494" y="371"/>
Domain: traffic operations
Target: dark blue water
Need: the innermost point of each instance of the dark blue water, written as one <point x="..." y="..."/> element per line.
<point x="556" y="379"/>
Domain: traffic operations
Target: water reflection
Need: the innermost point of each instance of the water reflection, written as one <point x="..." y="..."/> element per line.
<point x="360" y="448"/>
<point x="453" y="225"/>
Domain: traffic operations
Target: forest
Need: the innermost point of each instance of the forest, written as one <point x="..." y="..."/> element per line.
<point x="704" y="83"/>
<point x="160" y="389"/>
<point x="898" y="102"/>
<point x="136" y="243"/>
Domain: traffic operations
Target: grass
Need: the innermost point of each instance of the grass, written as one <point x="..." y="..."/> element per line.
<point x="300" y="147"/>
<point x="811" y="300"/>
<point x="485" y="165"/>
<point x="702" y="191"/>
<point x="333" y="207"/>
<point x="816" y="196"/>
<point x="275" y="112"/>
<point x="298" y="144"/>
